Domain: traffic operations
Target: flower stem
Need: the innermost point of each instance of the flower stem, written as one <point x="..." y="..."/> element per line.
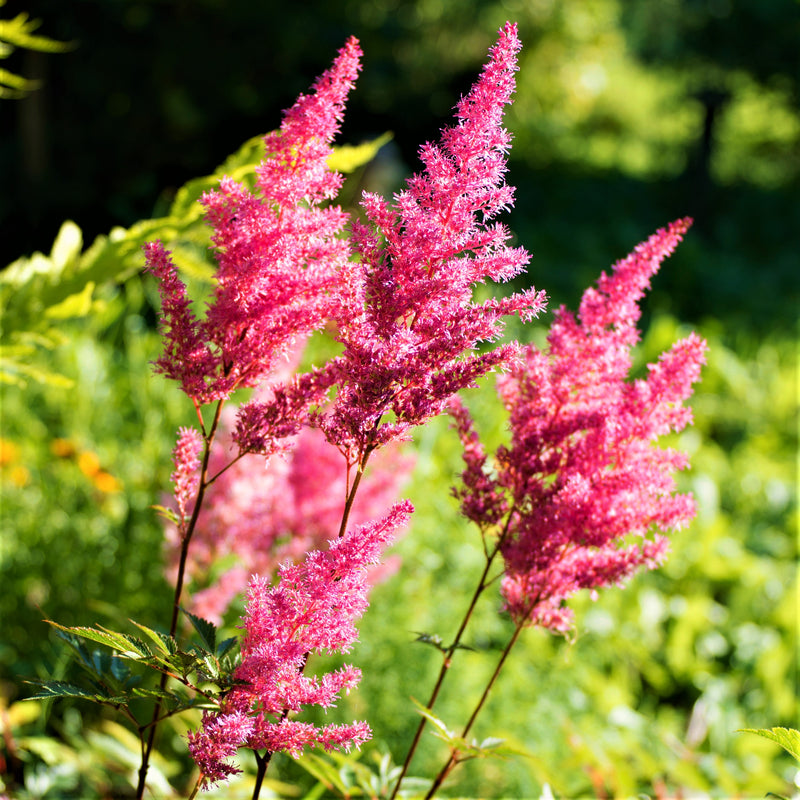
<point x="262" y="763"/>
<point x="176" y="601"/>
<point x="351" y="495"/>
<point x="483" y="583"/>
<point x="453" y="760"/>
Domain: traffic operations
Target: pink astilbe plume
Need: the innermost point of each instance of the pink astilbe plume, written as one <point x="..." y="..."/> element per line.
<point x="585" y="490"/>
<point x="311" y="609"/>
<point x="186" y="476"/>
<point x="407" y="319"/>
<point x="279" y="253"/>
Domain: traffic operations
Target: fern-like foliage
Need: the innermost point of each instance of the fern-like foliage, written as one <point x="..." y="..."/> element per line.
<point x="18" y="33"/>
<point x="39" y="292"/>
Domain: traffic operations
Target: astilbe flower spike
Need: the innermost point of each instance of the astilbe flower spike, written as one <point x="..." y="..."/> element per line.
<point x="587" y="490"/>
<point x="407" y="319"/>
<point x="186" y="476"/>
<point x="279" y="253"/>
<point x="311" y="609"/>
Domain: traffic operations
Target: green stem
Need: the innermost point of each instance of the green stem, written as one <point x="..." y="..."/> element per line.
<point x="176" y="601"/>
<point x="483" y="583"/>
<point x="453" y="760"/>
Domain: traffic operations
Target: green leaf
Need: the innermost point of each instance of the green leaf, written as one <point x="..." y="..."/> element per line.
<point x="165" y="644"/>
<point x="127" y="646"/>
<point x="18" y="32"/>
<point x="206" y="629"/>
<point x="76" y="305"/>
<point x="224" y="647"/>
<point x="444" y="731"/>
<point x="49" y="690"/>
<point x="348" y="158"/>
<point x="324" y="771"/>
<point x="167" y="514"/>
<point x="787" y="738"/>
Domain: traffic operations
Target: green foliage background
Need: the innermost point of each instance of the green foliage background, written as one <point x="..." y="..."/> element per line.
<point x="610" y="123"/>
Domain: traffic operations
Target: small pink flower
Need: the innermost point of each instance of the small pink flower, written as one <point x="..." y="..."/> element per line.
<point x="186" y="477"/>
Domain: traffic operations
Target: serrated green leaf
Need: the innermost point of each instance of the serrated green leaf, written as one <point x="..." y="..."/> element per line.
<point x="207" y="630"/>
<point x="126" y="646"/>
<point x="106" y="638"/>
<point x="56" y="689"/>
<point x="787" y="738"/>
<point x="165" y="644"/>
<point x="225" y="646"/>
<point x="445" y="732"/>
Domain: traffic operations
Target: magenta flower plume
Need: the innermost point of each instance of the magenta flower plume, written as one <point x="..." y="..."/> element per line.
<point x="407" y="318"/>
<point x="278" y="253"/>
<point x="186" y="477"/>
<point x="588" y="489"/>
<point x="312" y="609"/>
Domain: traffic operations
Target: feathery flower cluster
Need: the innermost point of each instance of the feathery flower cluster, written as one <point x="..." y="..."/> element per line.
<point x="259" y="515"/>
<point x="409" y="327"/>
<point x="583" y="488"/>
<point x="405" y="313"/>
<point x="312" y="609"/>
<point x="279" y="253"/>
<point x="186" y="476"/>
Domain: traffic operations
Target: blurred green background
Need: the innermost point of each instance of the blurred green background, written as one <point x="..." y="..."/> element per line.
<point x="627" y="115"/>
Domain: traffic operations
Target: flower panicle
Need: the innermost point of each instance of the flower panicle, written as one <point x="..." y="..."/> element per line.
<point x="311" y="609"/>
<point x="279" y="253"/>
<point x="408" y="321"/>
<point x="593" y="493"/>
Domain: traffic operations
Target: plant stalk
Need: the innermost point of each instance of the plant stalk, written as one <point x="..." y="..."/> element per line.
<point x="176" y="602"/>
<point x="453" y="760"/>
<point x="483" y="583"/>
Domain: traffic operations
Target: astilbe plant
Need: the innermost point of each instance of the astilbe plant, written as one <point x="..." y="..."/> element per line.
<point x="583" y="495"/>
<point x="578" y="499"/>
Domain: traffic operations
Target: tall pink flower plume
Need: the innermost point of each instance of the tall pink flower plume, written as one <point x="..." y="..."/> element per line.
<point x="588" y="490"/>
<point x="407" y="319"/>
<point x="279" y="253"/>
<point x="312" y="609"/>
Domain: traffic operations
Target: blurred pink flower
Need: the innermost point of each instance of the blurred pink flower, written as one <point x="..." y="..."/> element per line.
<point x="260" y="513"/>
<point x="186" y="476"/>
